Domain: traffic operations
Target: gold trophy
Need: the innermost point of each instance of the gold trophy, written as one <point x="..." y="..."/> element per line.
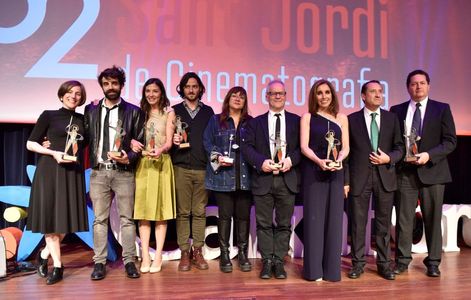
<point x="278" y="154"/>
<point x="332" y="150"/>
<point x="411" y="144"/>
<point x="117" y="141"/>
<point x="151" y="134"/>
<point x="71" y="142"/>
<point x="181" y="130"/>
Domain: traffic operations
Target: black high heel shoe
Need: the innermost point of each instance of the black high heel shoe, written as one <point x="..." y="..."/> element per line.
<point x="41" y="268"/>
<point x="56" y="276"/>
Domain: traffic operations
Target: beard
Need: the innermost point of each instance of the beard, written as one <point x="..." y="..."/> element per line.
<point x="113" y="94"/>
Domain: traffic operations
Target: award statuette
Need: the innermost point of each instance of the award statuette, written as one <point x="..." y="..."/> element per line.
<point x="116" y="150"/>
<point x="151" y="133"/>
<point x="278" y="155"/>
<point x="71" y="142"/>
<point x="411" y="144"/>
<point x="227" y="154"/>
<point x="181" y="130"/>
<point x="332" y="151"/>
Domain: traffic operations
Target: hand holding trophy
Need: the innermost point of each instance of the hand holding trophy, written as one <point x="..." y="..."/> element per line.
<point x="71" y="143"/>
<point x="151" y="134"/>
<point x="226" y="158"/>
<point x="332" y="151"/>
<point x="116" y="150"/>
<point x="411" y="144"/>
<point x="181" y="127"/>
<point x="279" y="151"/>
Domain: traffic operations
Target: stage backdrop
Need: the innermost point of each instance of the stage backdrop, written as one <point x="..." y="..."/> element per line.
<point x="234" y="42"/>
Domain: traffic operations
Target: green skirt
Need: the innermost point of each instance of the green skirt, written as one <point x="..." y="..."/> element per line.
<point x="155" y="189"/>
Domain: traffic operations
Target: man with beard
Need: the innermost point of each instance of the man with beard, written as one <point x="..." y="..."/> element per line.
<point x="111" y="124"/>
<point x="190" y="171"/>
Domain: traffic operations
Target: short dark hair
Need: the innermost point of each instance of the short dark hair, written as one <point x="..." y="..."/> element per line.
<point x="113" y="72"/>
<point x="417" y="72"/>
<point x="314" y="105"/>
<point x="184" y="81"/>
<point x="365" y="85"/>
<point x="67" y="86"/>
<point x="163" y="102"/>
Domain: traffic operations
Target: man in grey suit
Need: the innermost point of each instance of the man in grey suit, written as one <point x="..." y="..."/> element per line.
<point x="424" y="178"/>
<point x="375" y="147"/>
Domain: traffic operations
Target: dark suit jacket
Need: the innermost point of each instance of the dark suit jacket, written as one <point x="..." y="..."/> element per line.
<point x="389" y="142"/>
<point x="256" y="148"/>
<point x="438" y="140"/>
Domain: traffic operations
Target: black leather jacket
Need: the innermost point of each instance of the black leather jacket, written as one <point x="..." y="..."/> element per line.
<point x="133" y="119"/>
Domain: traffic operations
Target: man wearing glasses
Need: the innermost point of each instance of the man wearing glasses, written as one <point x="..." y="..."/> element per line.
<point x="271" y="147"/>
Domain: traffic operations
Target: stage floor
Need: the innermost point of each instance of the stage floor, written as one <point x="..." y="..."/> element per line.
<point x="455" y="282"/>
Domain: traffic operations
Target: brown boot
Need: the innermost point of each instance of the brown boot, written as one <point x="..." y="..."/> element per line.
<point x="184" y="264"/>
<point x="198" y="260"/>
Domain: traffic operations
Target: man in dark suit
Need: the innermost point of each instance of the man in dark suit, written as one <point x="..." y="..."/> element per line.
<point x="424" y="178"/>
<point x="375" y="147"/>
<point x="275" y="179"/>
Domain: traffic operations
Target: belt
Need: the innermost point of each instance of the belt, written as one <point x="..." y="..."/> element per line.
<point x="111" y="166"/>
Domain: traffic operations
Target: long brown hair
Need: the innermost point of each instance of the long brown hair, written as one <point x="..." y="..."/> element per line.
<point x="225" y="106"/>
<point x="333" y="108"/>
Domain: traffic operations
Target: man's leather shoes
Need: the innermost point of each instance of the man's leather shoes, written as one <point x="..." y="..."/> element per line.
<point x="197" y="259"/>
<point x="99" y="271"/>
<point x="400" y="268"/>
<point x="280" y="272"/>
<point x="184" y="264"/>
<point x="355" y="272"/>
<point x="387" y="273"/>
<point x="131" y="270"/>
<point x="266" y="269"/>
<point x="433" y="271"/>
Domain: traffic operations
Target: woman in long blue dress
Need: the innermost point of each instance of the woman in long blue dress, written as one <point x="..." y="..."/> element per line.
<point x="323" y="182"/>
<point x="57" y="203"/>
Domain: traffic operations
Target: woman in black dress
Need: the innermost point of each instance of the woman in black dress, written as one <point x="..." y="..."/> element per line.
<point x="324" y="136"/>
<point x="57" y="202"/>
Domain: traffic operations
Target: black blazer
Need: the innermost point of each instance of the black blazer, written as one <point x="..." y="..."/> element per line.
<point x="256" y="148"/>
<point x="438" y="140"/>
<point x="389" y="142"/>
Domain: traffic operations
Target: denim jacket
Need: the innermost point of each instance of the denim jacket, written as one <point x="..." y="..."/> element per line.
<point x="216" y="142"/>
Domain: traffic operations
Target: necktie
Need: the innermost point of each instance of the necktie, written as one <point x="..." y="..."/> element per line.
<point x="417" y="120"/>
<point x="374" y="131"/>
<point x="106" y="134"/>
<point x="277" y="135"/>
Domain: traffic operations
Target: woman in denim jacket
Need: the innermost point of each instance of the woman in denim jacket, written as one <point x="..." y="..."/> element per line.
<point x="228" y="176"/>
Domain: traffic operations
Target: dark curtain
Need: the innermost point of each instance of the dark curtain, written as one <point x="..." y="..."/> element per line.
<point x="15" y="158"/>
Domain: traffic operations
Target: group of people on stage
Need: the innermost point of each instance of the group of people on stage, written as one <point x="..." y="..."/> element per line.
<point x="160" y="161"/>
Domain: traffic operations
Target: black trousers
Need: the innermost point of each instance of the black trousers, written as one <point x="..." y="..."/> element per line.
<point x="431" y="201"/>
<point x="235" y="205"/>
<point x="359" y="205"/>
<point x="273" y="239"/>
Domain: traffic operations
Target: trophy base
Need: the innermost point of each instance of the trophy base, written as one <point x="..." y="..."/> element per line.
<point x="277" y="165"/>
<point x="335" y="164"/>
<point x="411" y="159"/>
<point x="116" y="153"/>
<point x="69" y="157"/>
<point x="184" y="145"/>
<point x="227" y="160"/>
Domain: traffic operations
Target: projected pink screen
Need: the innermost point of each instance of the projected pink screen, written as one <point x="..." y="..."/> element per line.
<point x="233" y="42"/>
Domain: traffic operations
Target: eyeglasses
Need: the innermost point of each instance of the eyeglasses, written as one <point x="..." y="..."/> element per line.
<point x="277" y="94"/>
